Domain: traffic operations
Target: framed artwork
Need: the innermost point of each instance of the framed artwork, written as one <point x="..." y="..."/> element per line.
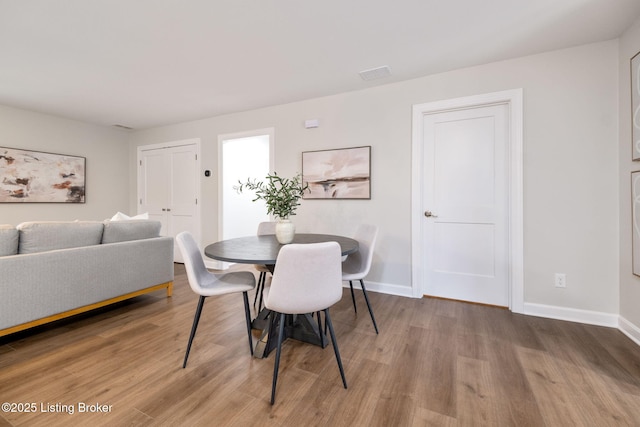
<point x="635" y="214"/>
<point x="343" y="173"/>
<point x="635" y="105"/>
<point x="39" y="177"/>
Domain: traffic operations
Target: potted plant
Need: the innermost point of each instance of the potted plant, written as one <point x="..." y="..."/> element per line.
<point x="282" y="197"/>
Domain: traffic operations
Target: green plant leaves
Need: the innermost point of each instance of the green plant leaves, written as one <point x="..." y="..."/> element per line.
<point x="281" y="195"/>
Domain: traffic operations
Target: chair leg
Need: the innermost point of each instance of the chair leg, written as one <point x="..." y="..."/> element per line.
<point x="278" y="350"/>
<point x="247" y="313"/>
<point x="196" y="319"/>
<point x="322" y="336"/>
<point x="264" y="282"/>
<point x="260" y="279"/>
<point x="327" y="320"/>
<point x="353" y="297"/>
<point x="366" y="298"/>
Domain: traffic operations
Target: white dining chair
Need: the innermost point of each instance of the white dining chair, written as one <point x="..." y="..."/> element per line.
<point x="306" y="279"/>
<point x="357" y="265"/>
<point x="207" y="284"/>
<point x="264" y="229"/>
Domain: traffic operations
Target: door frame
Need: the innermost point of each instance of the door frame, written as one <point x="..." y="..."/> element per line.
<point x="514" y="100"/>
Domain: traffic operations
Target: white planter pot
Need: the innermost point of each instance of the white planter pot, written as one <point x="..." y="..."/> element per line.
<point x="285" y="231"/>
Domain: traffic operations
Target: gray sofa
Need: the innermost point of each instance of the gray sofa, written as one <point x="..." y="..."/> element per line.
<point x="52" y="270"/>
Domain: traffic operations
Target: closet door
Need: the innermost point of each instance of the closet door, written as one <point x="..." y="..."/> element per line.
<point x="182" y="210"/>
<point x="169" y="188"/>
<point x="155" y="177"/>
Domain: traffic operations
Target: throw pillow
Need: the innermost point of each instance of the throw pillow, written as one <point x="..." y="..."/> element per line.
<point x="119" y="216"/>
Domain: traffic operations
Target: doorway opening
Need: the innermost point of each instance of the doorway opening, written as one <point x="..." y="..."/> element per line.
<point x="242" y="156"/>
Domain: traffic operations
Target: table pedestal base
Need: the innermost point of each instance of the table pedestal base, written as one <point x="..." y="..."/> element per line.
<point x="301" y="327"/>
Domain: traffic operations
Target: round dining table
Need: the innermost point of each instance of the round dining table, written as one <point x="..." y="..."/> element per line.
<point x="264" y="250"/>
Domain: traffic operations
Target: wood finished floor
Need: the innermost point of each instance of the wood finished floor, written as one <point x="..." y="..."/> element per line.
<point x="435" y="362"/>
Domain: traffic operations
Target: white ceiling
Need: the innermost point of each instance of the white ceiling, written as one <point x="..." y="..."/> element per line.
<point x="144" y="63"/>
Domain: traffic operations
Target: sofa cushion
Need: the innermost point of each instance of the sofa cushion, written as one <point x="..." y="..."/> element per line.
<point x="8" y="240"/>
<point x="44" y="236"/>
<point x="134" y="229"/>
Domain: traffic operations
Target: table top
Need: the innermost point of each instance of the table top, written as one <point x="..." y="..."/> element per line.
<point x="264" y="249"/>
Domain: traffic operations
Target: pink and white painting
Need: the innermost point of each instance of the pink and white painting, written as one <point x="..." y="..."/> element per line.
<point x="337" y="174"/>
<point x="37" y="177"/>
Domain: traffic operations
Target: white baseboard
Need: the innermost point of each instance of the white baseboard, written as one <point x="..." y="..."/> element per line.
<point x="383" y="288"/>
<point x="572" y="314"/>
<point x="629" y="329"/>
<point x="541" y="310"/>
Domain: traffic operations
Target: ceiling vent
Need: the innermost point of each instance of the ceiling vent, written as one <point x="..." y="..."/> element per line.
<point x="375" y="73"/>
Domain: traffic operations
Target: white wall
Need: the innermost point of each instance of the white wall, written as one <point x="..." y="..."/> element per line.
<point x="629" y="284"/>
<point x="570" y="166"/>
<point x="106" y="151"/>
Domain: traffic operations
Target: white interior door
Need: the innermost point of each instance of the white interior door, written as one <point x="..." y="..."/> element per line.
<point x="154" y="188"/>
<point x="183" y="194"/>
<point x="465" y="204"/>
<point x="169" y="189"/>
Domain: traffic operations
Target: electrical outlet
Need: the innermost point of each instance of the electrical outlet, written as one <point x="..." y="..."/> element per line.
<point x="561" y="280"/>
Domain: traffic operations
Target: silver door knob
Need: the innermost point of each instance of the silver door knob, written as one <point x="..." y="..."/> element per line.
<point x="428" y="214"/>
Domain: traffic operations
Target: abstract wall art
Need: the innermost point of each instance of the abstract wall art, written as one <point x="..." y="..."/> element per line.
<point x="343" y="173"/>
<point x="635" y="105"/>
<point x="39" y="177"/>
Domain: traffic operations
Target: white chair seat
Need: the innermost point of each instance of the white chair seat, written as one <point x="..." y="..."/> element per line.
<point x="356" y="275"/>
<point x="241" y="281"/>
